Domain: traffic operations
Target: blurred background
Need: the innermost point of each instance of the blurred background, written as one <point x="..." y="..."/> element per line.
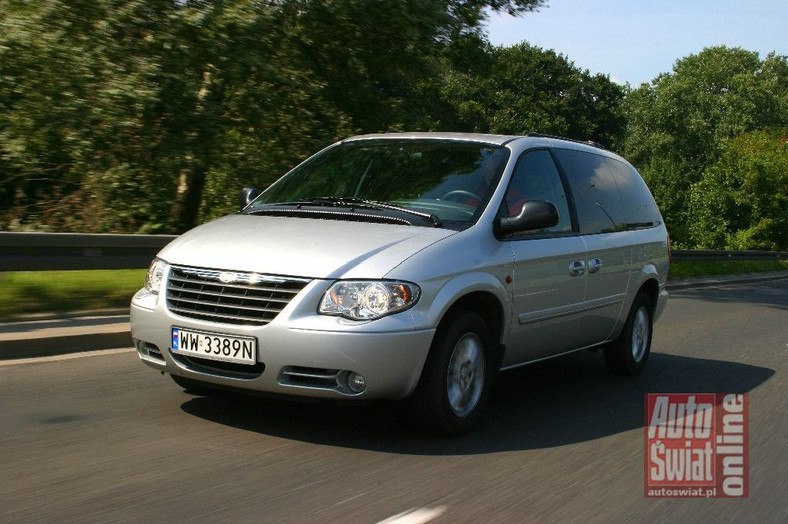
<point x="149" y="116"/>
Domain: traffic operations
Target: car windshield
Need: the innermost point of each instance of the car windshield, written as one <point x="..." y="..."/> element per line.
<point x="450" y="180"/>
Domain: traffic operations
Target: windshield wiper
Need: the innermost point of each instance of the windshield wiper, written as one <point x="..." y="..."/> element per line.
<point x="373" y="204"/>
<point x="351" y="202"/>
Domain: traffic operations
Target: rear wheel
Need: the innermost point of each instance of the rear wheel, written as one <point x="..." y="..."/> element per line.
<point x="457" y="376"/>
<point x="629" y="353"/>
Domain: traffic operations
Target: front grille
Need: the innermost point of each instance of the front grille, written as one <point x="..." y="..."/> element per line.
<point x="215" y="367"/>
<point x="233" y="297"/>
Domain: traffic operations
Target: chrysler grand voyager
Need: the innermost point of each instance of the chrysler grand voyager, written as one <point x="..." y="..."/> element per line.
<point x="414" y="266"/>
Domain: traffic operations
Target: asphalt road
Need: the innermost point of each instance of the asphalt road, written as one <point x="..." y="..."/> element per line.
<point x="104" y="438"/>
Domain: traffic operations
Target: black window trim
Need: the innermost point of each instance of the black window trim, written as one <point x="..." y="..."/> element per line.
<point x="608" y="156"/>
<point x="570" y="201"/>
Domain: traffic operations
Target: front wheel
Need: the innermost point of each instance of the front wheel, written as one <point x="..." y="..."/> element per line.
<point x="457" y="376"/>
<point x="628" y="354"/>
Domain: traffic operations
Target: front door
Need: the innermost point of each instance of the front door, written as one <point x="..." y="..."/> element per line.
<point x="549" y="266"/>
<point x="548" y="290"/>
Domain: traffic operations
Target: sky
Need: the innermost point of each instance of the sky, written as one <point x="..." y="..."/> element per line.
<point x="633" y="41"/>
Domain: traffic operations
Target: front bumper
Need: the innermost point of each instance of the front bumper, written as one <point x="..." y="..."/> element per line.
<point x="299" y="353"/>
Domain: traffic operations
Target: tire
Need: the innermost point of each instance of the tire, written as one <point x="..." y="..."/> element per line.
<point x="629" y="353"/>
<point x="457" y="377"/>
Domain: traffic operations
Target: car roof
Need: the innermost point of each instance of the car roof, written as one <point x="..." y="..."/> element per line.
<point x="492" y="139"/>
<point x="465" y="137"/>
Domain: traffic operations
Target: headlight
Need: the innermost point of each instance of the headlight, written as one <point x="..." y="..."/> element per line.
<point x="155" y="275"/>
<point x="368" y="300"/>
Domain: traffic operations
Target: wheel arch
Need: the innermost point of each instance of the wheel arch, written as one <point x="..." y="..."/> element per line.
<point x="489" y="307"/>
<point x="650" y="288"/>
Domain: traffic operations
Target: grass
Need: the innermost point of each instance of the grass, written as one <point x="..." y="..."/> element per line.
<point x="27" y="292"/>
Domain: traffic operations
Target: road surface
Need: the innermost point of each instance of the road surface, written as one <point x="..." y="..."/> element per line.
<point x="103" y="438"/>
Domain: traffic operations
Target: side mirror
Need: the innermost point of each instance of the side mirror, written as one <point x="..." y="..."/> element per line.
<point x="535" y="214"/>
<point x="247" y="195"/>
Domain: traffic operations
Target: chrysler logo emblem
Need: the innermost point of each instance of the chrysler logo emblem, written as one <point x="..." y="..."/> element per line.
<point x="227" y="277"/>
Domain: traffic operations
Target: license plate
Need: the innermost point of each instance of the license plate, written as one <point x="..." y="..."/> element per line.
<point x="214" y="346"/>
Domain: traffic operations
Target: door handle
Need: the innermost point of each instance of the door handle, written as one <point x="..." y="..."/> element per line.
<point x="577" y="268"/>
<point x="594" y="265"/>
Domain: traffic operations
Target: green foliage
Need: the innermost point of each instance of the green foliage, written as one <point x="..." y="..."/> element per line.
<point x="525" y="88"/>
<point x="130" y="115"/>
<point x="76" y="92"/>
<point x="149" y="116"/>
<point x="741" y="201"/>
<point x="679" y="125"/>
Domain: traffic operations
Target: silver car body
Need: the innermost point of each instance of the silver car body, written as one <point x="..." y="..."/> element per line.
<point x="547" y="306"/>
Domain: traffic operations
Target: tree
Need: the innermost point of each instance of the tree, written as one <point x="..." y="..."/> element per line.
<point x="79" y="144"/>
<point x="741" y="201"/>
<point x="140" y="115"/>
<point x="679" y="124"/>
<point x="524" y="88"/>
<point x="357" y="66"/>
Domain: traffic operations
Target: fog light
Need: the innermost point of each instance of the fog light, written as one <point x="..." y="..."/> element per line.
<point x="356" y="382"/>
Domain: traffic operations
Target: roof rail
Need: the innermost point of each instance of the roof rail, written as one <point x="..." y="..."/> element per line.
<point x="586" y="142"/>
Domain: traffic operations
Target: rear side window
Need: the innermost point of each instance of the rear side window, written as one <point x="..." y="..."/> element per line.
<point x="640" y="209"/>
<point x="596" y="196"/>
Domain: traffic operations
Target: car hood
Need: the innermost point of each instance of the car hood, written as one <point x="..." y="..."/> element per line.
<point x="301" y="247"/>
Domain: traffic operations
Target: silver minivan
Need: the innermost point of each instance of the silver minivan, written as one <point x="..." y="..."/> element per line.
<point x="412" y="266"/>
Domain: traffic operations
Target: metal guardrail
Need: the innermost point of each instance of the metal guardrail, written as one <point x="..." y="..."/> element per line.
<point x="690" y="255"/>
<point x="56" y="251"/>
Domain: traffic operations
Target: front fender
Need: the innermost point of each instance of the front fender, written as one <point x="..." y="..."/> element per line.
<point x="448" y="293"/>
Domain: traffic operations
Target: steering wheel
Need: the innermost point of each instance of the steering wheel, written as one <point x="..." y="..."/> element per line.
<point x="460" y="193"/>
